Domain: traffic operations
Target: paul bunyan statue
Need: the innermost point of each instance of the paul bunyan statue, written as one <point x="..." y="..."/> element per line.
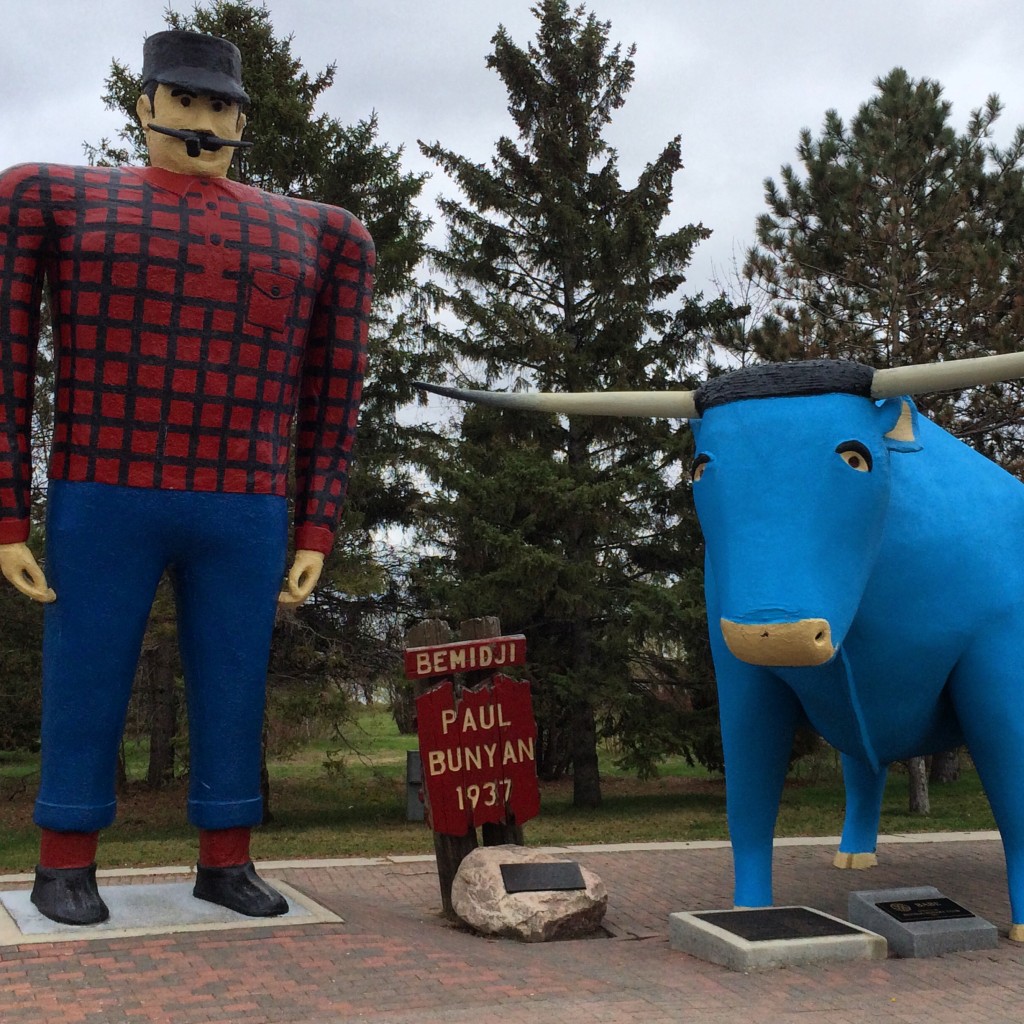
<point x="193" y="318"/>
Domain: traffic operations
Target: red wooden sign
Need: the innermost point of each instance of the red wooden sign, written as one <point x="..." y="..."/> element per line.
<point x="495" y="652"/>
<point x="479" y="755"/>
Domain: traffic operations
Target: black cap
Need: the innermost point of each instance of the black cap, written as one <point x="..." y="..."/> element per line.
<point x="193" y="60"/>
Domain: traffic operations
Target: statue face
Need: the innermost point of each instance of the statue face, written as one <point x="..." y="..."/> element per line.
<point x="174" y="107"/>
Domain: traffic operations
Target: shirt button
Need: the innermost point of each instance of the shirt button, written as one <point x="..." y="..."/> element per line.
<point x="211" y="206"/>
<point x="215" y="239"/>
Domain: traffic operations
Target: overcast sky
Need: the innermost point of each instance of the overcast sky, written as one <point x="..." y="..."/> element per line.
<point x="737" y="79"/>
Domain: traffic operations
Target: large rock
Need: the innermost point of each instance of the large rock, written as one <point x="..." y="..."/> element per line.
<point x="480" y="900"/>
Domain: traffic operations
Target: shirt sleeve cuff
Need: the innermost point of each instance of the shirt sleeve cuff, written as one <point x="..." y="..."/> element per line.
<point x="14" y="531"/>
<point x="314" y="538"/>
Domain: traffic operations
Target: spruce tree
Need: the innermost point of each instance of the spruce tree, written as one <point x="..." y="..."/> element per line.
<point x="561" y="278"/>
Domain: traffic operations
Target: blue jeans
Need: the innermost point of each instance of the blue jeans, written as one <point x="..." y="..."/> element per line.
<point x="106" y="549"/>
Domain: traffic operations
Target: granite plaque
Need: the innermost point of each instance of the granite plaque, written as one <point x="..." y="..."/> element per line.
<point x="542" y="877"/>
<point x="920" y="921"/>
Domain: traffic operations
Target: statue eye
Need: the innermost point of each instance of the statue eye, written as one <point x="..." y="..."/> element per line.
<point x="185" y="101"/>
<point x="697" y="470"/>
<point x="855" y="455"/>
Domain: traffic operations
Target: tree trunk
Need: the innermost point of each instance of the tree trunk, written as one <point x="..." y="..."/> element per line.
<point x="402" y="704"/>
<point x="945" y="767"/>
<point x="121" y="779"/>
<point x="586" y="779"/>
<point x="918" y="774"/>
<point x="163" y="720"/>
<point x="265" y="779"/>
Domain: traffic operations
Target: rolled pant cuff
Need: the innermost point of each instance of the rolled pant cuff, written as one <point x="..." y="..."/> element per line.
<point x="229" y="814"/>
<point x="74" y="817"/>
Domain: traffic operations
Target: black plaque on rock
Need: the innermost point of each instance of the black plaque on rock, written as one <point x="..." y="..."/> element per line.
<point x="939" y="908"/>
<point x="774" y="923"/>
<point x="543" y="877"/>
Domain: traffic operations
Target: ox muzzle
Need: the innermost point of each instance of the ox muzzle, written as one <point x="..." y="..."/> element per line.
<point x="800" y="644"/>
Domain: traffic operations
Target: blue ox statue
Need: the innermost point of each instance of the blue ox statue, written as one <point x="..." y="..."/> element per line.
<point x="864" y="574"/>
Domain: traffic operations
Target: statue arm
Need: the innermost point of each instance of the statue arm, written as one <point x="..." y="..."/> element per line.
<point x="332" y="378"/>
<point x="19" y="566"/>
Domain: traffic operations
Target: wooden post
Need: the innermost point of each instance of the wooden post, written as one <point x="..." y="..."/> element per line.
<point x="494" y="833"/>
<point x="450" y="851"/>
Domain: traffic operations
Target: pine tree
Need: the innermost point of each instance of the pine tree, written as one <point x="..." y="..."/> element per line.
<point x="899" y="242"/>
<point x="562" y="279"/>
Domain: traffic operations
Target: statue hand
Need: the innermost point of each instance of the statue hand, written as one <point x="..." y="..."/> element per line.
<point x="18" y="564"/>
<point x="302" y="578"/>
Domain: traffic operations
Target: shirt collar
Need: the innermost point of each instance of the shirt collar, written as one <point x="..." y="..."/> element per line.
<point x="180" y="184"/>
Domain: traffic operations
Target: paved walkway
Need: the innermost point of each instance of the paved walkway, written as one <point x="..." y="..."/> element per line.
<point x="394" y="960"/>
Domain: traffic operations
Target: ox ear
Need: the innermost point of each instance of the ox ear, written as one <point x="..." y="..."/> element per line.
<point x="904" y="432"/>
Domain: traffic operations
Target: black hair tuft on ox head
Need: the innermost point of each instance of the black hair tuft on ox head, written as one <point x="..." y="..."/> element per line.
<point x="778" y="380"/>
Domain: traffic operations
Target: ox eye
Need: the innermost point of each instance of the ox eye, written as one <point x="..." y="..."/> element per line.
<point x="697" y="470"/>
<point x="855" y="455"/>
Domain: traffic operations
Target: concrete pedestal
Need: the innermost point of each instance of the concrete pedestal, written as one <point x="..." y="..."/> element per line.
<point x="749" y="940"/>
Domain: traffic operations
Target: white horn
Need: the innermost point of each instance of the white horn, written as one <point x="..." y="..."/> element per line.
<point x="951" y="375"/>
<point x="671" y="404"/>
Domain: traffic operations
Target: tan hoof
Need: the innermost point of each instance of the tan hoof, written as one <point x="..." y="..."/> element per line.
<point x="855" y="861"/>
<point x="1017" y="932"/>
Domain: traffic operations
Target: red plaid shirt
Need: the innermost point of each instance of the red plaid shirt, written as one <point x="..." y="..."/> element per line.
<point x="191" y="317"/>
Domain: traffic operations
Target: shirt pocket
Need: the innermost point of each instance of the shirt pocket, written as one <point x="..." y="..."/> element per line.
<point x="269" y="300"/>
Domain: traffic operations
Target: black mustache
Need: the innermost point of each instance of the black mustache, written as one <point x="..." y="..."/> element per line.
<point x="197" y="141"/>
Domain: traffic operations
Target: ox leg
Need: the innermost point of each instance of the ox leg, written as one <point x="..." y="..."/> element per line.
<point x="988" y="695"/>
<point x="864" y="790"/>
<point x="759" y="717"/>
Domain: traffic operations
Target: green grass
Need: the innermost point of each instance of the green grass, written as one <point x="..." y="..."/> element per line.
<point x="357" y="808"/>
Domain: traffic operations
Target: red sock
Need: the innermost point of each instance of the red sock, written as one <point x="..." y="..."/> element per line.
<point x="67" y="849"/>
<point x="223" y="847"/>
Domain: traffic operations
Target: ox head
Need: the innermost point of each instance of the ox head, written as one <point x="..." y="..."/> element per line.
<point x="791" y="482"/>
<point x="791" y="479"/>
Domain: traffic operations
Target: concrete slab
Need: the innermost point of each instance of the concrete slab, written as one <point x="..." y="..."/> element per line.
<point x="751" y="940"/>
<point x="920" y="921"/>
<point x="157" y="909"/>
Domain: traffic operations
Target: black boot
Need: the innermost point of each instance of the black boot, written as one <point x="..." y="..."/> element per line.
<point x="239" y="889"/>
<point x="69" y="895"/>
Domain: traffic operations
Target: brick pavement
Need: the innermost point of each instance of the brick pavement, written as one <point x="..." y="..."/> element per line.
<point x="394" y="960"/>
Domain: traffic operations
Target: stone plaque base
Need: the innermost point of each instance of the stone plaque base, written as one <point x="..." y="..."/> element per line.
<point x="750" y="940"/>
<point x="921" y="921"/>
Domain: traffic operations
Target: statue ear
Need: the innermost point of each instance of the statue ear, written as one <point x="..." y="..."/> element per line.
<point x="144" y="109"/>
<point x="904" y="433"/>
